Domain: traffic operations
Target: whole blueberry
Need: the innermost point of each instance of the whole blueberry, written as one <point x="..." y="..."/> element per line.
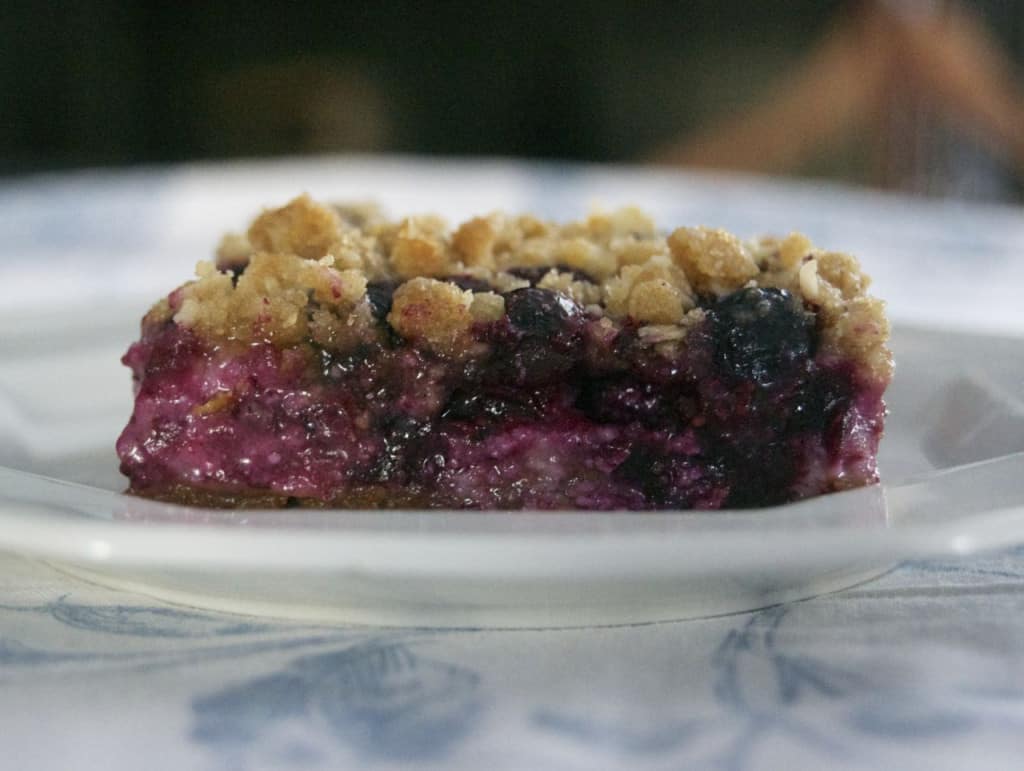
<point x="759" y="334"/>
<point x="541" y="312"/>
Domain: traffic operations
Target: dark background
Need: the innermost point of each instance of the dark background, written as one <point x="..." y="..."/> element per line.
<point x="112" y="83"/>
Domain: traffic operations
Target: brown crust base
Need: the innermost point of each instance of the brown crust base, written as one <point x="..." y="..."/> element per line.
<point x="365" y="497"/>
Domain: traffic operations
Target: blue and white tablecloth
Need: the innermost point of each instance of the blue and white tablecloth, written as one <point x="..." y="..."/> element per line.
<point x="923" y="668"/>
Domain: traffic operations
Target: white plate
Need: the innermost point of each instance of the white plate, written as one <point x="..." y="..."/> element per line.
<point x="953" y="485"/>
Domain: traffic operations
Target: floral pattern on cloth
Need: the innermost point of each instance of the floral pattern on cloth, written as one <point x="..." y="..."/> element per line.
<point x="871" y="677"/>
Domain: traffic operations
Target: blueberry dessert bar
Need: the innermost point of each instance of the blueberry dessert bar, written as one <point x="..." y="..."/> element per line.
<point x="332" y="357"/>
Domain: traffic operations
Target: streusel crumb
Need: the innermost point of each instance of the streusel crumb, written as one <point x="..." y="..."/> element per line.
<point x="269" y="301"/>
<point x="713" y="260"/>
<point x="421" y="248"/>
<point x="474" y="240"/>
<point x="302" y="272"/>
<point x="302" y="227"/>
<point x="435" y="312"/>
<point x="655" y="292"/>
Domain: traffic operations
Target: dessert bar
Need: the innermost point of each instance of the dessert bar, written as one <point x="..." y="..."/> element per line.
<point x="333" y="357"/>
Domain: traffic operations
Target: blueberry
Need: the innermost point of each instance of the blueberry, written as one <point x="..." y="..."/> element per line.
<point x="542" y="313"/>
<point x="545" y="337"/>
<point x="759" y="334"/>
<point x="379" y="293"/>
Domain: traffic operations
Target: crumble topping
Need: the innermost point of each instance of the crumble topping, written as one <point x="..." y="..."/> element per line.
<point x="793" y="249"/>
<point x="487" y="307"/>
<point x="435" y="312"/>
<point x="654" y="292"/>
<point x="272" y="300"/>
<point x="302" y="272"/>
<point x="565" y="282"/>
<point x="302" y="227"/>
<point x="714" y="261"/>
<point x="421" y="248"/>
<point x="474" y="241"/>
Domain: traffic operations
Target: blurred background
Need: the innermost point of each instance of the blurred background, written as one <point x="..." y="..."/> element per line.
<point x="919" y="96"/>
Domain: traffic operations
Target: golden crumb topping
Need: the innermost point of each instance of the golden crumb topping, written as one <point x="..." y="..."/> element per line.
<point x="655" y="292"/>
<point x="714" y="261"/>
<point x="421" y="248"/>
<point x="473" y="241"/>
<point x="302" y="227"/>
<point x="434" y="312"/>
<point x="270" y="300"/>
<point x="302" y="270"/>
<point x="567" y="283"/>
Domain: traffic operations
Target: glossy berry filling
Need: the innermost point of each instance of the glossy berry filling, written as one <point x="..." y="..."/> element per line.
<point x="558" y="410"/>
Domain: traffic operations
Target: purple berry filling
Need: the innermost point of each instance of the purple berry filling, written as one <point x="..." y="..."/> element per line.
<point x="559" y="414"/>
